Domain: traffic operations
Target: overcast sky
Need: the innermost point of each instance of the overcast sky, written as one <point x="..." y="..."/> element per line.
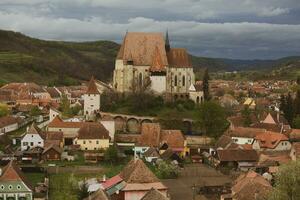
<point x="244" y="29"/>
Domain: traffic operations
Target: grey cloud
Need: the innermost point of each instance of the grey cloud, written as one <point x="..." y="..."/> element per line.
<point x="216" y="28"/>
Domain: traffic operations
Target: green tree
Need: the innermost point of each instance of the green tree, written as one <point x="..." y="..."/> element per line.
<point x="296" y="122"/>
<point x="83" y="192"/>
<point x="297" y="103"/>
<point x="167" y="170"/>
<point x="287" y="182"/>
<point x="3" y="110"/>
<point x="64" y="106"/>
<point x="212" y="119"/>
<point x="246" y="116"/>
<point x="205" y="85"/>
<point x="289" y="110"/>
<point x="283" y="103"/>
<point x="111" y="154"/>
<point x="35" y="111"/>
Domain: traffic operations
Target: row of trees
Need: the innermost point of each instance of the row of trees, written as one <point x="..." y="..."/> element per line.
<point x="290" y="106"/>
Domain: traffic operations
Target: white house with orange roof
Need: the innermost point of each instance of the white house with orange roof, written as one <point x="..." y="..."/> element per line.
<point x="271" y="141"/>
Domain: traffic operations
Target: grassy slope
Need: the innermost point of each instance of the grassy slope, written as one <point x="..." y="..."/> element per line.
<point x="52" y="62"/>
<point x="26" y="59"/>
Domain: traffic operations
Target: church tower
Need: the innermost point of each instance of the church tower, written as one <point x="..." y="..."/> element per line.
<point x="91" y="100"/>
<point x="167" y="42"/>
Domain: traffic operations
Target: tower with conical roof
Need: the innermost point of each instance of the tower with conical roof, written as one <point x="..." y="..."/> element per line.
<point x="167" y="42"/>
<point x="91" y="100"/>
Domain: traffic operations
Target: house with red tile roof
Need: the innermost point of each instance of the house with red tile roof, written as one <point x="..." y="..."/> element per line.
<point x="8" y="124"/>
<point x="92" y="136"/>
<point x="249" y="186"/>
<point x="133" y="182"/>
<point x="153" y="136"/>
<point x="271" y="141"/>
<point x="13" y="183"/>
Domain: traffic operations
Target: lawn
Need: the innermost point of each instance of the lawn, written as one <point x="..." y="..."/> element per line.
<point x="63" y="186"/>
<point x="35" y="178"/>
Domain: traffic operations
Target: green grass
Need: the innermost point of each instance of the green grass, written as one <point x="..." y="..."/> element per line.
<point x="63" y="186"/>
<point x="35" y="178"/>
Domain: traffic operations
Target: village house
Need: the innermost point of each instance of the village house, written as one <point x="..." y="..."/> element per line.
<point x="250" y="102"/>
<point x="52" y="152"/>
<point x="53" y="113"/>
<point x="92" y="136"/>
<point x="242" y="159"/>
<point x="249" y="186"/>
<point x="133" y="182"/>
<point x="244" y="135"/>
<point x="271" y="141"/>
<point x="8" y="124"/>
<point x="98" y="195"/>
<point x="153" y="136"/>
<point x="32" y="138"/>
<point x="13" y="184"/>
<point x="146" y="58"/>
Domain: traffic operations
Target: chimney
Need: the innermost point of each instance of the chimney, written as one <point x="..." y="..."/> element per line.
<point x="104" y="178"/>
<point x="27" y="129"/>
<point x="0" y="172"/>
<point x="278" y="117"/>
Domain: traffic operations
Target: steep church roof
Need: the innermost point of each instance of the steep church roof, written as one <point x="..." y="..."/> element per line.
<point x="157" y="63"/>
<point x="92" y="87"/>
<point x="179" y="57"/>
<point x="140" y="48"/>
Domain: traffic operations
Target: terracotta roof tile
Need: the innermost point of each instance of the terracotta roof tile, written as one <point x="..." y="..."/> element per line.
<point x="7" y="120"/>
<point x="92" y="87"/>
<point x="140" y="48"/>
<point x="154" y="194"/>
<point x="137" y="172"/>
<point x="12" y="172"/>
<point x="270" y="140"/>
<point x="237" y="155"/>
<point x="178" y="57"/>
<point x="93" y="131"/>
<point x="157" y="64"/>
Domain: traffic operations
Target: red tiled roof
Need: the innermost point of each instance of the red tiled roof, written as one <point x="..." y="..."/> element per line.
<point x="111" y="182"/>
<point x="174" y="138"/>
<point x="157" y="64"/>
<point x="137" y="172"/>
<point x="7" y="120"/>
<point x="140" y="47"/>
<point x="12" y="172"/>
<point x="178" y="57"/>
<point x="270" y="140"/>
<point x="93" y="131"/>
<point x="92" y="87"/>
<point x="237" y="155"/>
<point x="57" y="122"/>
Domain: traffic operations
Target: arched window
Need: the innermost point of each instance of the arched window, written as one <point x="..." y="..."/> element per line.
<point x="140" y="79"/>
<point x="183" y="80"/>
<point x="175" y="84"/>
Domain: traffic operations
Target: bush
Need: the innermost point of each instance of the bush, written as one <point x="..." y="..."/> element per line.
<point x="167" y="170"/>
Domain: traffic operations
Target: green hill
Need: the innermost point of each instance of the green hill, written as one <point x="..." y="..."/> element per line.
<point x="62" y="63"/>
<point x="51" y="62"/>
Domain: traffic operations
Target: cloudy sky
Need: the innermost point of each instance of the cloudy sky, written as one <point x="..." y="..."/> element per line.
<point x="244" y="29"/>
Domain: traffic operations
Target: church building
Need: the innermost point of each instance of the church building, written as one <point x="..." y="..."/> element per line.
<point x="147" y="60"/>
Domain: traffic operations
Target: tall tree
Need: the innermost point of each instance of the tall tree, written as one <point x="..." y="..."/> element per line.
<point x="289" y="112"/>
<point x="282" y="103"/>
<point x="212" y="119"/>
<point x="206" y="85"/>
<point x="3" y="110"/>
<point x="287" y="182"/>
<point x="246" y="116"/>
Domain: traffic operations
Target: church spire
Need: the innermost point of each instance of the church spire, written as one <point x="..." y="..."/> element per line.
<point x="167" y="42"/>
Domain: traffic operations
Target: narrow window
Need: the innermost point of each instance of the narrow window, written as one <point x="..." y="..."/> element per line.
<point x="175" y="84"/>
<point x="183" y="80"/>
